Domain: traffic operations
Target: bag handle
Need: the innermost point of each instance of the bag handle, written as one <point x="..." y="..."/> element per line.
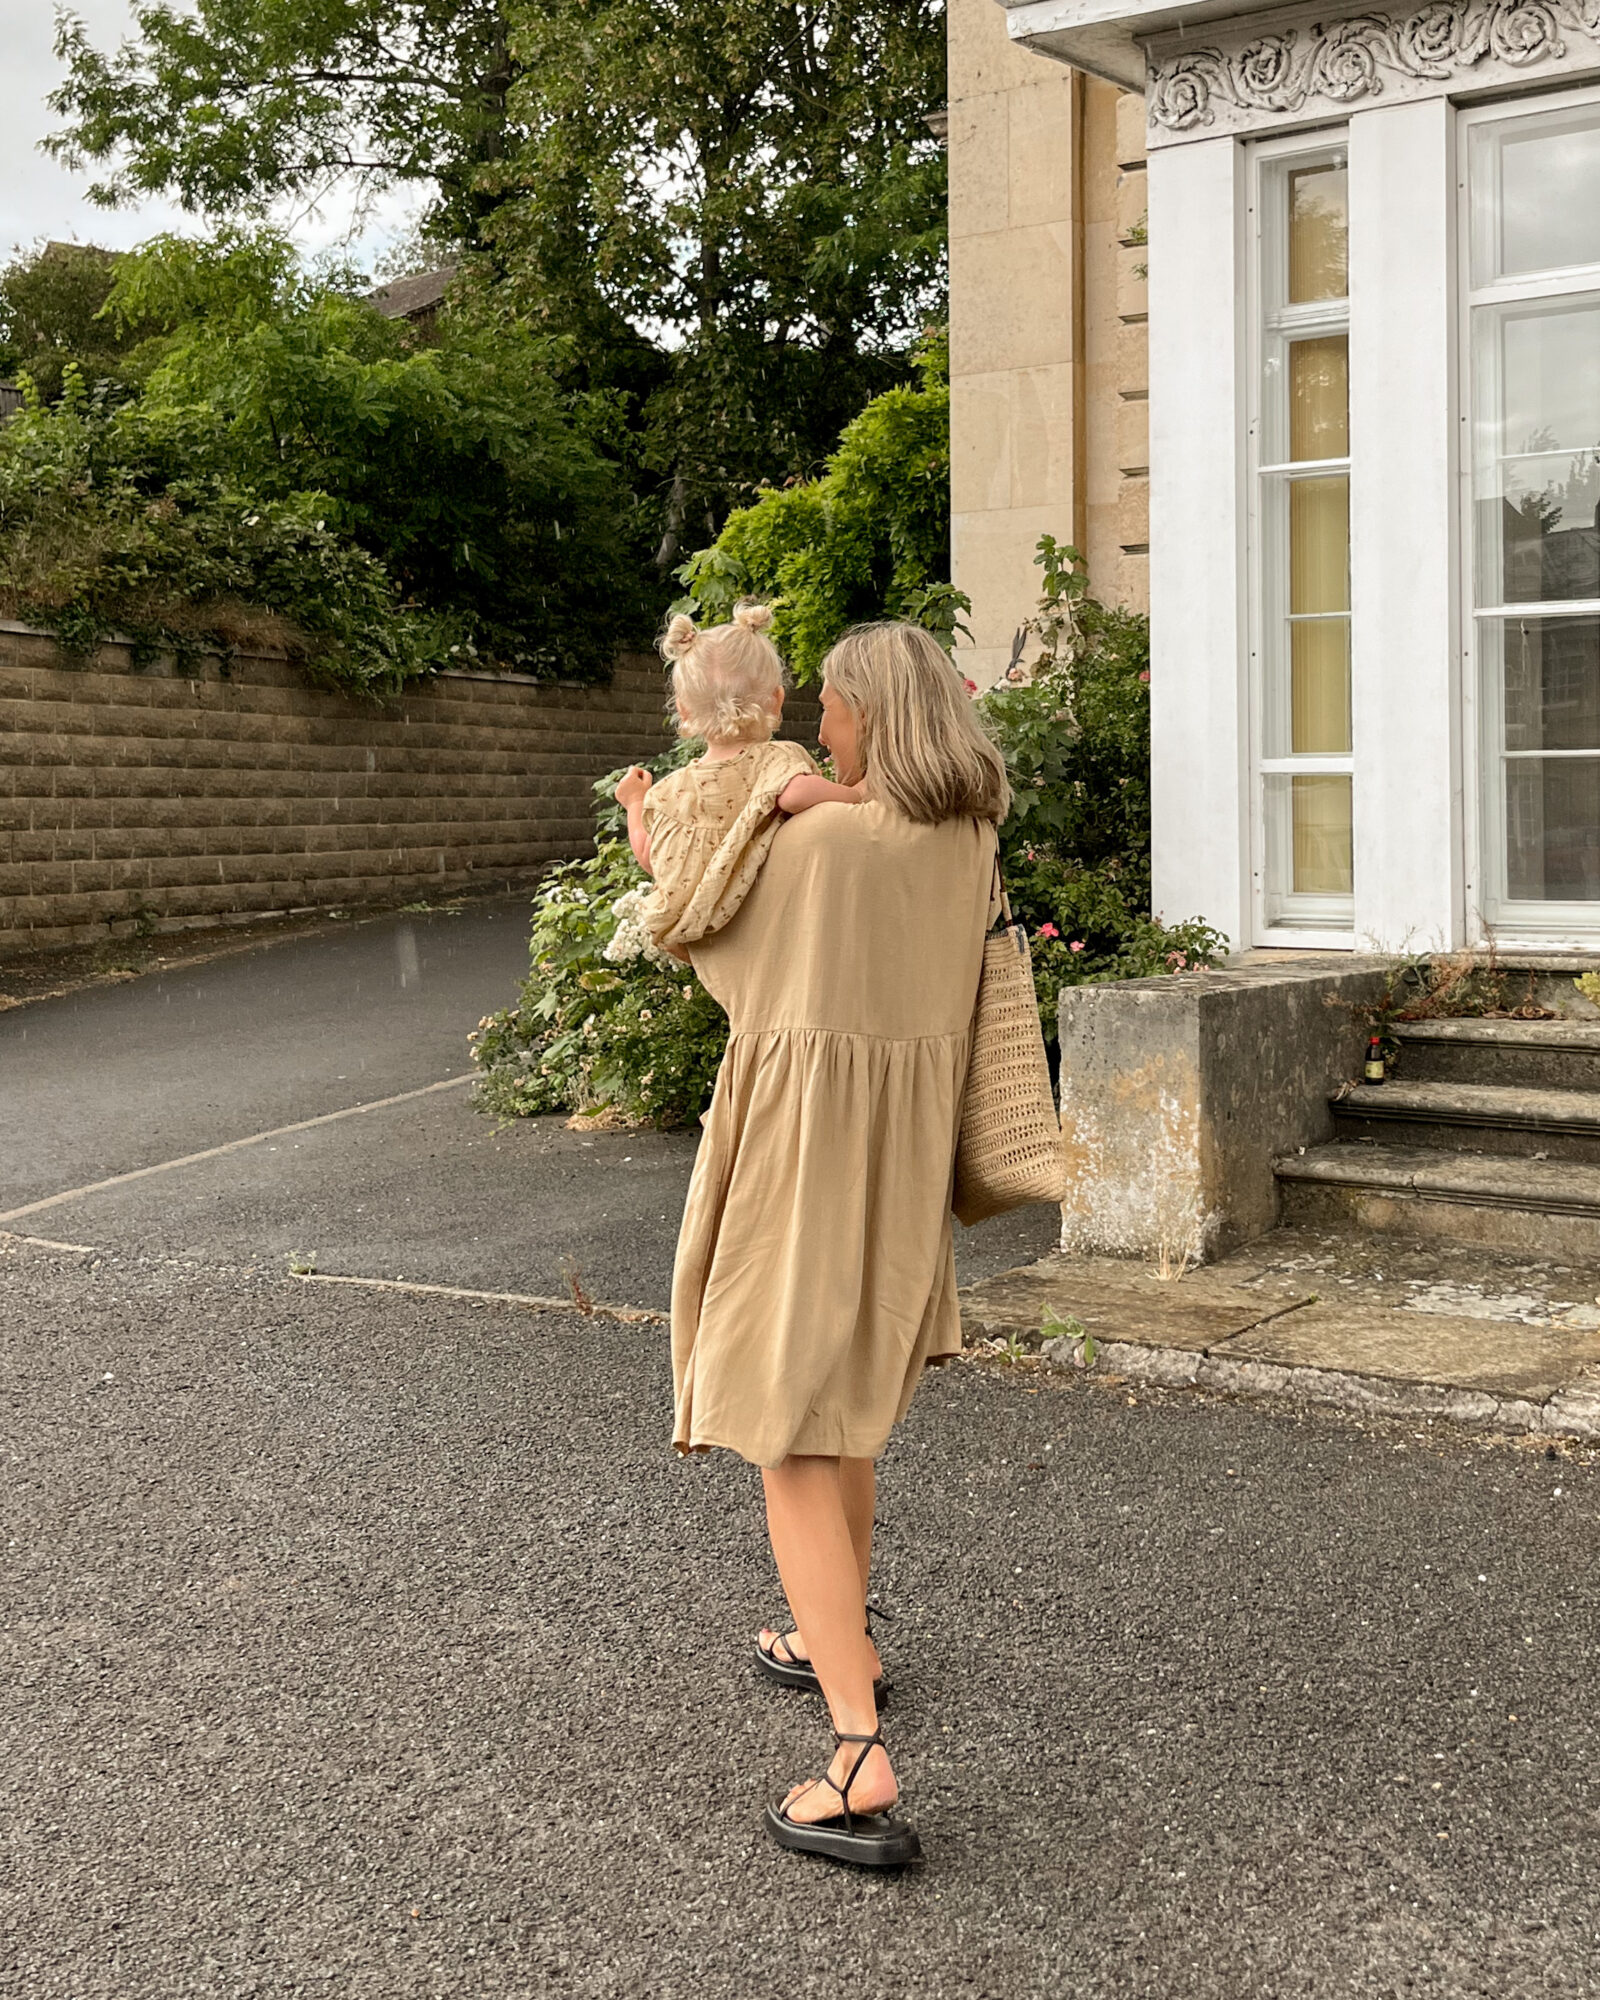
<point x="1004" y="920"/>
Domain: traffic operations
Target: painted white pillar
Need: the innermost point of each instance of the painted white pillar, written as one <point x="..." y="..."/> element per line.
<point x="1198" y="707"/>
<point x="1405" y="624"/>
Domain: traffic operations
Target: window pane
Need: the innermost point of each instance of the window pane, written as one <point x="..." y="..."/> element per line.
<point x="1318" y="233"/>
<point x="1538" y="473"/>
<point x="1320" y="678"/>
<point x="1319" y="544"/>
<point x="1308" y="848"/>
<point x="1319" y="397"/>
<point x="1553" y="829"/>
<point x="1536" y="189"/>
<point x="1549" y="675"/>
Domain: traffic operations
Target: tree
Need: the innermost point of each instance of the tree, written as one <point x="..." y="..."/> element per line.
<point x="868" y="539"/>
<point x="231" y="105"/>
<point x="732" y="207"/>
<point x="50" y="317"/>
<point x="753" y="180"/>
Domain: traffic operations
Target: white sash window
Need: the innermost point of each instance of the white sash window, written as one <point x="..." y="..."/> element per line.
<point x="1531" y="258"/>
<point x="1300" y="539"/>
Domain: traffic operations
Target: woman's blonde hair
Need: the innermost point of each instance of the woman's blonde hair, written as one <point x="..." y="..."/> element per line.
<point x="923" y="750"/>
<point x="725" y="681"/>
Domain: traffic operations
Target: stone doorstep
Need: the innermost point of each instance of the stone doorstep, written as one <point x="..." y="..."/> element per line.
<point x="1275" y="1339"/>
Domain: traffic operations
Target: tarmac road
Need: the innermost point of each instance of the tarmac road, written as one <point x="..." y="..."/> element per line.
<point x="116" y="1079"/>
<point x="368" y="1645"/>
<point x="372" y="1644"/>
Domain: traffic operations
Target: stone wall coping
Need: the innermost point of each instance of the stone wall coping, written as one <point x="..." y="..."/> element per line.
<point x="638" y="661"/>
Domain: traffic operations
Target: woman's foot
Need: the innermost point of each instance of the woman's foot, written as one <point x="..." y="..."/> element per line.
<point x="874" y="1788"/>
<point x="789" y="1649"/>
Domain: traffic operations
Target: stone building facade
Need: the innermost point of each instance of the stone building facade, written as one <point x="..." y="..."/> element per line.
<point x="1049" y="390"/>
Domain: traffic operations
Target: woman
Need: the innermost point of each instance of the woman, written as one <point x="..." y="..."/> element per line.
<point x="815" y="1277"/>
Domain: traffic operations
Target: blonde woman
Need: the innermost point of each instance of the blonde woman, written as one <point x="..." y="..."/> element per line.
<point x="815" y="1277"/>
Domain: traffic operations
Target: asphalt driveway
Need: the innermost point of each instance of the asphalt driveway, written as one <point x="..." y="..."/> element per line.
<point x="373" y="1644"/>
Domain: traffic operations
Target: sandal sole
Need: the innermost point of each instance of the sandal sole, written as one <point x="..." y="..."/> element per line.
<point x="877" y="1842"/>
<point x="792" y="1675"/>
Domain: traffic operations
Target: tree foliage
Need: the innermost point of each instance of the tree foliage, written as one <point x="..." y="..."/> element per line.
<point x="229" y="104"/>
<point x="752" y="181"/>
<point x="453" y="491"/>
<point x="869" y="539"/>
<point x="732" y="208"/>
<point x="51" y="317"/>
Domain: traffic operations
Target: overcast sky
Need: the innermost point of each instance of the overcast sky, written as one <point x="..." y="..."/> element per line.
<point x="39" y="199"/>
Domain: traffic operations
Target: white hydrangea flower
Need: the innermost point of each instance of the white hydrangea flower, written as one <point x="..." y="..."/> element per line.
<point x="631" y="940"/>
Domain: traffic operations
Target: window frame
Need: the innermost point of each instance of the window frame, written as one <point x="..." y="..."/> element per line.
<point x="1282" y="918"/>
<point x="1492" y="913"/>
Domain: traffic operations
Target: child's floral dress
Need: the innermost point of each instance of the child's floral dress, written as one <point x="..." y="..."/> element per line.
<point x="710" y="826"/>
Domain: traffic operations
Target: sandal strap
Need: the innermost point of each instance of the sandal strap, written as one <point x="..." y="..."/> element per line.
<point x="841" y="1737"/>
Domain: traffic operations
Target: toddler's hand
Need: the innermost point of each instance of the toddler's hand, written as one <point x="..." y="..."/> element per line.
<point x="635" y="783"/>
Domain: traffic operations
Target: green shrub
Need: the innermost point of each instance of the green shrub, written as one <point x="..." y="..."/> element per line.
<point x="1074" y="726"/>
<point x="281" y="466"/>
<point x="869" y="539"/>
<point x="604" y="1021"/>
<point x="126" y="519"/>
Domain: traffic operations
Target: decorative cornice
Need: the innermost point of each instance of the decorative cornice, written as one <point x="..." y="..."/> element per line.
<point x="1343" y="62"/>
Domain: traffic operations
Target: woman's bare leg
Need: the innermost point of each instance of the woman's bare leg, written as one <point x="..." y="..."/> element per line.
<point x="858" y="1483"/>
<point x="818" y="1562"/>
<point x="858" y="1487"/>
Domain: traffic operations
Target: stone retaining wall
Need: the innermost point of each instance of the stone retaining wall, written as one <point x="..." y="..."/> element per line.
<point x="146" y="799"/>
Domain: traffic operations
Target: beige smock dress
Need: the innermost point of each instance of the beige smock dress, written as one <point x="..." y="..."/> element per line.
<point x="709" y="827"/>
<point x="815" y="1275"/>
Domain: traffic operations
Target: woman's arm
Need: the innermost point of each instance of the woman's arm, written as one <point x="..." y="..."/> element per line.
<point x="810" y="789"/>
<point x="630" y="795"/>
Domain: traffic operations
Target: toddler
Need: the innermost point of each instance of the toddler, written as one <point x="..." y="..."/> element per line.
<point x="704" y="832"/>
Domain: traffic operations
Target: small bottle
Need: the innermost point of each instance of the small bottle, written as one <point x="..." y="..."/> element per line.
<point x="1373" y="1070"/>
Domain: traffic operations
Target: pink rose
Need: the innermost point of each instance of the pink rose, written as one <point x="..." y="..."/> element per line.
<point x="1049" y="930"/>
<point x="1076" y="945"/>
<point x="1145" y="677"/>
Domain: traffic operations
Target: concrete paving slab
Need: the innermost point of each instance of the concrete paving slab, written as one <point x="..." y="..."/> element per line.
<point x="1498" y="1357"/>
<point x="1313" y="1317"/>
<point x="1122" y="1302"/>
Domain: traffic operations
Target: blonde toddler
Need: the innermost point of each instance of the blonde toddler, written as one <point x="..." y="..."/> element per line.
<point x="704" y="832"/>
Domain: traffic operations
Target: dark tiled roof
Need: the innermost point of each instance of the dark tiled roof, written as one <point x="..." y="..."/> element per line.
<point x="405" y="298"/>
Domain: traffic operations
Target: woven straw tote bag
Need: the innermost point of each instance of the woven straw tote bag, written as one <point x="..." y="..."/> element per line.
<point x="1009" y="1150"/>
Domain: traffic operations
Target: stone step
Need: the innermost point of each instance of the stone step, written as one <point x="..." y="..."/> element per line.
<point x="1542" y="1055"/>
<point x="1473" y="1118"/>
<point x="1547" y="1208"/>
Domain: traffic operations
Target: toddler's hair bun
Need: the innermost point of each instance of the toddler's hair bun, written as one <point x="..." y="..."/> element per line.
<point x="752" y="616"/>
<point x="680" y="635"/>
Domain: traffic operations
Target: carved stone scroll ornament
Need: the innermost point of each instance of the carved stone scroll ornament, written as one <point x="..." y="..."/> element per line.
<point x="1346" y="60"/>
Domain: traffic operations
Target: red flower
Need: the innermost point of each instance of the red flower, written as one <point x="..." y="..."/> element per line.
<point x="970" y="686"/>
<point x="1145" y="676"/>
<point x="1049" y="931"/>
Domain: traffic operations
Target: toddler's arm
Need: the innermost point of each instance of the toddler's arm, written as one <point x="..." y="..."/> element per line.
<point x="630" y="795"/>
<point x="811" y="789"/>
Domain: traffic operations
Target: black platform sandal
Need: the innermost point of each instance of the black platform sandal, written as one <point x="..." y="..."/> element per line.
<point x="870" y="1840"/>
<point x="795" y="1672"/>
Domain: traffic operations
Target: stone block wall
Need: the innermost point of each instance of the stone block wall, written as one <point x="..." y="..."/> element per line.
<point x="1049" y="388"/>
<point x="1178" y="1093"/>
<point x="148" y="799"/>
